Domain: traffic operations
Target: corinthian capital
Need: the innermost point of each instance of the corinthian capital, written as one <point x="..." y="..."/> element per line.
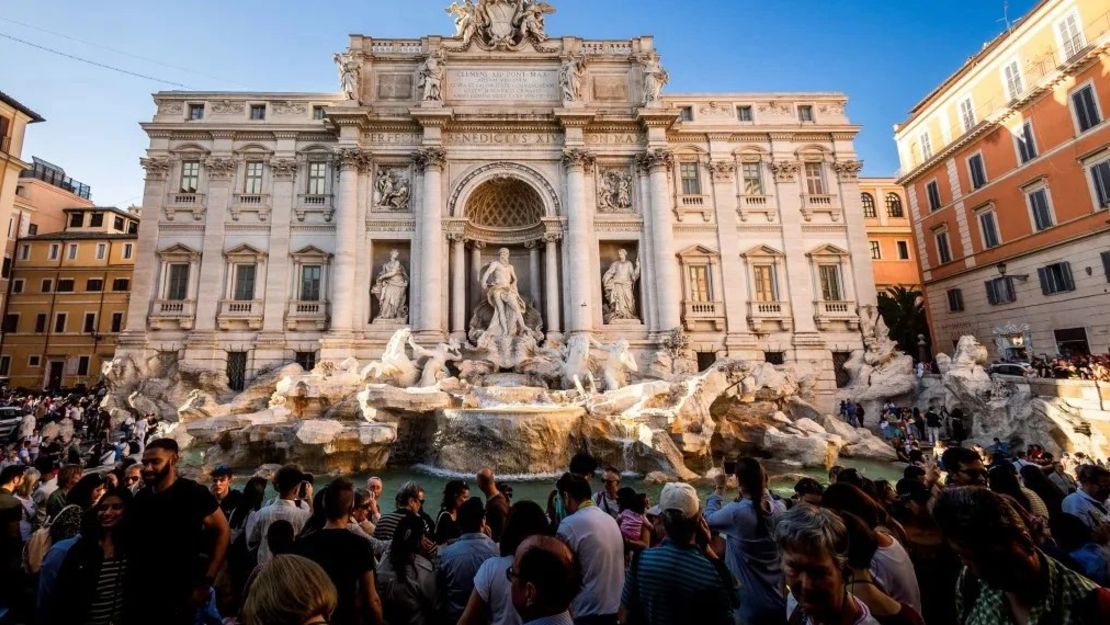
<point x="577" y="157"/>
<point x="722" y="171"/>
<point x="156" y="168"/>
<point x="283" y="168"/>
<point x="350" y="158"/>
<point x="430" y="158"/>
<point x="652" y="159"/>
<point x="220" y="168"/>
<point x="848" y="170"/>
<point x="784" y="171"/>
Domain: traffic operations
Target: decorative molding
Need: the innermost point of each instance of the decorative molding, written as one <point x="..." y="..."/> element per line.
<point x="718" y="109"/>
<point x="226" y="107"/>
<point x="833" y="108"/>
<point x="170" y="108"/>
<point x="848" y="170"/>
<point x="390" y="225"/>
<point x="157" y="168"/>
<point x="176" y="227"/>
<point x="350" y="158"/>
<point x="433" y="157"/>
<point x="507" y="169"/>
<point x="577" y="157"/>
<point x="283" y="168"/>
<point x="220" y="168"/>
<point x="695" y="228"/>
<point x="722" y="171"/>
<point x="312" y="228"/>
<point x="656" y="158"/>
<point x="614" y="190"/>
<point x="621" y="225"/>
<point x="289" y="108"/>
<point x="785" y="171"/>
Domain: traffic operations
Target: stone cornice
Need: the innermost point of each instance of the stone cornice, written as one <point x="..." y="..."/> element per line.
<point x="657" y="118"/>
<point x="573" y="119"/>
<point x="432" y="118"/>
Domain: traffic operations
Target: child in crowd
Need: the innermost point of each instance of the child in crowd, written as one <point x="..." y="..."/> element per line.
<point x="634" y="525"/>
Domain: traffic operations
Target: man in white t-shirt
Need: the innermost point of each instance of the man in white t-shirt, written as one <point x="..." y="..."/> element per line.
<point x="596" y="540"/>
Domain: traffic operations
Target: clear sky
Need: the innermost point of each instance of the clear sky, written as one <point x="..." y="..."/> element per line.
<point x="884" y="54"/>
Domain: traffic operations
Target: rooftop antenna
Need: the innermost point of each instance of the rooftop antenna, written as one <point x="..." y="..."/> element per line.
<point x="1005" y="19"/>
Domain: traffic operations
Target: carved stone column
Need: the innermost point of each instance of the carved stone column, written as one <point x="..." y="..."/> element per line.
<point x="658" y="163"/>
<point x="282" y="171"/>
<point x="429" y="319"/>
<point x="551" y="281"/>
<point x="144" y="287"/>
<point x="798" y="275"/>
<point x="476" y="248"/>
<point x="579" y="239"/>
<point x="534" y="272"/>
<point x="732" y="272"/>
<point x="351" y="161"/>
<point x="212" y="263"/>
<point x="458" y="284"/>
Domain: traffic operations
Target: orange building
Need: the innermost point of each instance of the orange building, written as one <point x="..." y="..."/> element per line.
<point x="1007" y="177"/>
<point x="889" y="234"/>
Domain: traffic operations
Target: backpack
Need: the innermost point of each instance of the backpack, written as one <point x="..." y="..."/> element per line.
<point x="34" y="552"/>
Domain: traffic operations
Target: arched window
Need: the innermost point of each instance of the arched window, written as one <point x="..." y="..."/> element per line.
<point x="893" y="205"/>
<point x="868" y="204"/>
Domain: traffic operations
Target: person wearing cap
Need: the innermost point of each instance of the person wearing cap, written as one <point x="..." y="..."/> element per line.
<point x="682" y="580"/>
<point x="222" y="490"/>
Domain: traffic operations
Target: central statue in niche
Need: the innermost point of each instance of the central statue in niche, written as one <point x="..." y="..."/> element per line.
<point x="500" y="286"/>
<point x="504" y="325"/>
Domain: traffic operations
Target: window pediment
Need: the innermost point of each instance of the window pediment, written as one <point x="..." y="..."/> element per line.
<point x="762" y="252"/>
<point x="827" y="251"/>
<point x="311" y="254"/>
<point x="179" y="253"/>
<point x="698" y="252"/>
<point x="190" y="151"/>
<point x="244" y="252"/>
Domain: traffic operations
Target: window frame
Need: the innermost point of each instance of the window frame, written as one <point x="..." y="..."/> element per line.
<point x="758" y="283"/>
<point x="1025" y="143"/>
<point x="967" y="117"/>
<point x="955" y="297"/>
<point x="1102" y="157"/>
<point x="84" y="364"/>
<point x="47" y="285"/>
<point x="89" y="284"/>
<point x="189" y="171"/>
<point x="237" y="269"/>
<point x="926" y="144"/>
<point x="971" y="170"/>
<point x="1029" y="190"/>
<point x="55" y="251"/>
<point x="170" y="293"/>
<point x="42" y="322"/>
<point x="825" y="288"/>
<point x="253" y="180"/>
<point x="126" y="285"/>
<point x="117" y="323"/>
<point x="319" y="112"/>
<point x="96" y="220"/>
<point x="685" y="113"/>
<point x="1084" y="86"/>
<point x="311" y="176"/>
<point x="820" y="178"/>
<point x="90" y="320"/>
<point x="72" y="250"/>
<point x="61" y="319"/>
<point x="895" y="209"/>
<point x="24" y="251"/>
<point x="69" y="284"/>
<point x="101" y="251"/>
<point x="754" y="166"/>
<point x="876" y="249"/>
<point x="867" y="200"/>
<point x="192" y="108"/>
<point x="128" y="250"/>
<point x="944" y="253"/>
<point x="981" y="214"/>
<point x="903" y="248"/>
<point x="702" y="285"/>
<point x="1062" y="41"/>
<point x="695" y="180"/>
<point x="1052" y="284"/>
<point x="741" y="110"/>
<point x="994" y="296"/>
<point x="319" y="282"/>
<point x="932" y="195"/>
<point x="254" y="108"/>
<point x="18" y="285"/>
<point x="1016" y="80"/>
<point x="806" y="114"/>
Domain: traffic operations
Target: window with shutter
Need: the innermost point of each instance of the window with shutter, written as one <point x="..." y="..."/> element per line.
<point x="1056" y="278"/>
<point x="1100" y="178"/>
<point x="244" y="282"/>
<point x="1106" y="265"/>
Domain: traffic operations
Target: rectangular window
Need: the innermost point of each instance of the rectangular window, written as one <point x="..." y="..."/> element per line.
<point x="1012" y="75"/>
<point x="60" y="322"/>
<point x="90" y="323"/>
<point x="988" y="226"/>
<point x="177" y="285"/>
<point x="96" y="220"/>
<point x="967" y="113"/>
<point x="190" y="176"/>
<point x="805" y="113"/>
<point x="932" y="190"/>
<point x="753" y="178"/>
<point x="765" y="288"/>
<point x="5" y="365"/>
<point x="1040" y="209"/>
<point x="76" y="220"/>
<point x="1071" y="36"/>
<point x="65" y="285"/>
<point x="955" y="300"/>
<point x="307" y="360"/>
<point x="830" y="282"/>
<point x="876" y="250"/>
<point x="117" y="322"/>
<point x="118" y="224"/>
<point x="815" y="179"/>
<point x="82" y="365"/>
<point x="55" y="250"/>
<point x="686" y="114"/>
<point x="688" y="172"/>
<point x="310" y="283"/>
<point x="926" y="146"/>
<point x="128" y="249"/>
<point x="258" y="111"/>
<point x="24" y="251"/>
<point x="903" y="250"/>
<point x="71" y="251"/>
<point x="47" y="286"/>
<point x="121" y="284"/>
<point x="1026" y="146"/>
<point x="699" y="283"/>
<point x="317" y="178"/>
<point x="244" y="282"/>
<point x="101" y="250"/>
<point x="40" y="323"/>
<point x="94" y="284"/>
<point x="1106" y="264"/>
<point x="944" y="252"/>
<point x="17" y="285"/>
<point x="252" y="179"/>
<point x="1086" y="109"/>
<point x="1056" y="278"/>
<point x="1000" y="291"/>
<point x="978" y="171"/>
<point x="774" y="358"/>
<point x="318" y="112"/>
<point x="6" y="268"/>
<point x="196" y="111"/>
<point x="1100" y="179"/>
<point x="33" y="361"/>
<point x="33" y="229"/>
<point x="744" y="113"/>
<point x="11" y="322"/>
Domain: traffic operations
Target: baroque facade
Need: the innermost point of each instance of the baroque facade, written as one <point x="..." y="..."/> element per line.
<point x="1007" y="175"/>
<point x="312" y="226"/>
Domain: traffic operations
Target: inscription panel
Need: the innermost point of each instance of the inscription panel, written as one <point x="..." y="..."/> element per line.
<point x="394" y="86"/>
<point x="503" y="138"/>
<point x="499" y="85"/>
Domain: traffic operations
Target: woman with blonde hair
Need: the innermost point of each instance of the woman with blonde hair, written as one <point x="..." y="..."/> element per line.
<point x="290" y="590"/>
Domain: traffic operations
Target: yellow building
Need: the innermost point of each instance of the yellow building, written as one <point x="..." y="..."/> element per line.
<point x="14" y="118"/>
<point x="68" y="299"/>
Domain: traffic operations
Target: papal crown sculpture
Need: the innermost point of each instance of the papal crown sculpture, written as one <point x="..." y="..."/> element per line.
<point x="500" y="24"/>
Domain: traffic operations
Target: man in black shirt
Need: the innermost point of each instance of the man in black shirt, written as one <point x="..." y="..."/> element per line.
<point x="227" y="496"/>
<point x="179" y="538"/>
<point x="346" y="557"/>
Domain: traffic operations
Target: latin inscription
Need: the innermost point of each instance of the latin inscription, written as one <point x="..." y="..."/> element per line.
<point x="615" y="138"/>
<point x="393" y="138"/>
<point x="503" y="138"/>
<point x="503" y="85"/>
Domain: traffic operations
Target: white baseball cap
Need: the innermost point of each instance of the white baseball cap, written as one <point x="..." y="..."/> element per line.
<point x="680" y="496"/>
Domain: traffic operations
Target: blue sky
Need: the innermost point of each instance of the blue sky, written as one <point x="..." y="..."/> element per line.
<point x="884" y="54"/>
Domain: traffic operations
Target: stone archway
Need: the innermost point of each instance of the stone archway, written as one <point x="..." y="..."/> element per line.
<point x="504" y="211"/>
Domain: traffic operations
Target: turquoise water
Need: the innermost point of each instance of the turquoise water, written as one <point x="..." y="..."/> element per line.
<point x="537" y="488"/>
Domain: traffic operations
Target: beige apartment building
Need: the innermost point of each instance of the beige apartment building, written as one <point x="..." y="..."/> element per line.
<point x="1007" y="175"/>
<point x="14" y="118"/>
<point x="68" y="303"/>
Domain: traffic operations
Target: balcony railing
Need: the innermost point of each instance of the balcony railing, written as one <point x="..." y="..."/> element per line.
<point x="235" y="310"/>
<point x="172" y="313"/>
<point x="694" y="204"/>
<point x="830" y="311"/>
<point x="697" y="313"/>
<point x="747" y="205"/>
<point x="761" y="312"/>
<point x="820" y="203"/>
<point x="186" y="199"/>
<point x="311" y="313"/>
<point x="314" y="202"/>
<point x="250" y="202"/>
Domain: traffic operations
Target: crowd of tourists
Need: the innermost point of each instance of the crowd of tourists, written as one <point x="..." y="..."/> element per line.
<point x="1075" y="367"/>
<point x="970" y="539"/>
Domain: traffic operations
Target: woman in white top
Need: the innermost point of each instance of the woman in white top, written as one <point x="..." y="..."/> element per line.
<point x="23" y="494"/>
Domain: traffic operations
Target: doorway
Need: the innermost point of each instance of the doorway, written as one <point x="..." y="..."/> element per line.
<point x="55" y="371"/>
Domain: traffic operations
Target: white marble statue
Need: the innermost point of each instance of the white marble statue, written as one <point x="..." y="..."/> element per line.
<point x="531" y="21"/>
<point x="466" y="20"/>
<point x="390" y="288"/>
<point x="391" y="190"/>
<point x="435" y="367"/>
<point x="499" y="284"/>
<point x="431" y="78"/>
<point x="500" y="24"/>
<point x="348" y="75"/>
<point x="618" y="363"/>
<point x="655" y="78"/>
<point x="395" y="367"/>
<point x="570" y="78"/>
<point x="619" y="284"/>
<point x="615" y="191"/>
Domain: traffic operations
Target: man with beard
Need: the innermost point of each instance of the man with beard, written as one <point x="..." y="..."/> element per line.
<point x="179" y="538"/>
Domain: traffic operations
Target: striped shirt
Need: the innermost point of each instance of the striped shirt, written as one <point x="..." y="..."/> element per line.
<point x="107" y="603"/>
<point x="676" y="585"/>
